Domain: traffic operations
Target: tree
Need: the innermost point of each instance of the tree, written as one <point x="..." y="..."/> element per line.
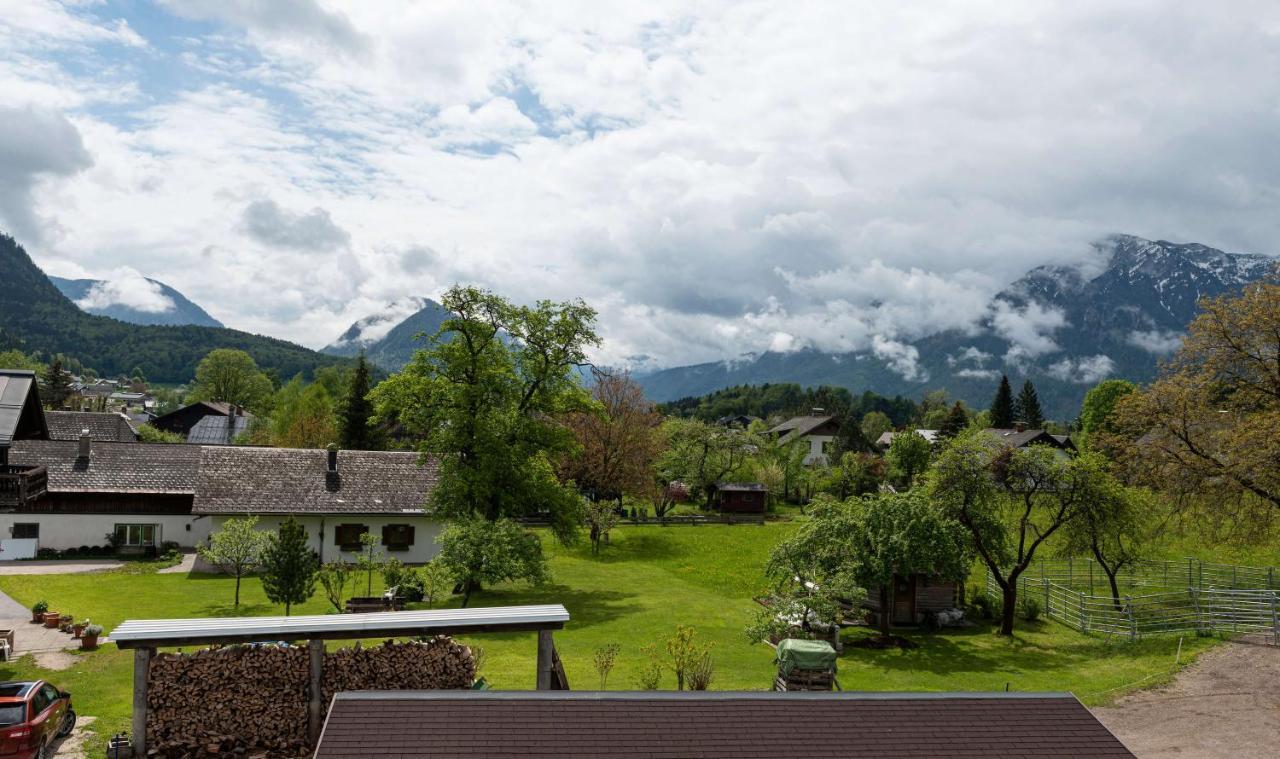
<point x="236" y="549"/>
<point x="334" y="577"/>
<point x="1027" y="408"/>
<point x="231" y="376"/>
<point x="1208" y="424"/>
<point x="701" y="454"/>
<point x="908" y="456"/>
<point x="57" y="385"/>
<point x="1100" y="403"/>
<point x="1002" y="405"/>
<point x="485" y="399"/>
<point x="1113" y="528"/>
<point x="855" y="474"/>
<point x="288" y="566"/>
<point x="370" y="559"/>
<point x="955" y="422"/>
<point x="874" y="424"/>
<point x="16" y="359"/>
<point x="149" y="434"/>
<point x="1011" y="501"/>
<point x="478" y="552"/>
<point x="356" y="434"/>
<point x="602" y="516"/>
<point x="303" y="416"/>
<point x="618" y="441"/>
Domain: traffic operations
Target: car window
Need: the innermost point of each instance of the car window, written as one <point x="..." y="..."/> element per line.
<point x="38" y="703"/>
<point x="13" y="714"/>
<point x="50" y="693"/>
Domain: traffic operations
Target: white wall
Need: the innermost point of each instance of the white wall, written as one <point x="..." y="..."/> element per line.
<point x="816" y="455"/>
<point x="62" y="531"/>
<point x="424" y="535"/>
<point x="12" y="549"/>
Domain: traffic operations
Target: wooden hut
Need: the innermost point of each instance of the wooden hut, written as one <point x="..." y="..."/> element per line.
<point x="740" y="497"/>
<point x="911" y="597"/>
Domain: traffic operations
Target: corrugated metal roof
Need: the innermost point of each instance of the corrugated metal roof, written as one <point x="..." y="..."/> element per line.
<point x="16" y="387"/>
<point x="135" y="632"/>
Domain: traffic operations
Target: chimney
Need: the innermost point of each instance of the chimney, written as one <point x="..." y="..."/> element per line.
<point x="332" y="480"/>
<point x="85" y="442"/>
<point x="333" y="459"/>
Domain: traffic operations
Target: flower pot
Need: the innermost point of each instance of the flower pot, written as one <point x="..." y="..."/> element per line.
<point x="78" y="628"/>
<point x="51" y="619"/>
<point x="37" y="617"/>
<point x="89" y="642"/>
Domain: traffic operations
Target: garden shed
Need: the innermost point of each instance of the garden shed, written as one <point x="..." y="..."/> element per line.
<point x="741" y="497"/>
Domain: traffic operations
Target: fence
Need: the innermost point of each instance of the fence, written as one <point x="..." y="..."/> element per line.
<point x="1211" y="600"/>
<point x="682" y="519"/>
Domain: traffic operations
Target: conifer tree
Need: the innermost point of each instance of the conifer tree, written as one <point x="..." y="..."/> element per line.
<point x="57" y="386"/>
<point x="957" y="419"/>
<point x="1002" y="405"/>
<point x="1027" y="409"/>
<point x="356" y="434"/>
<point x="289" y="566"/>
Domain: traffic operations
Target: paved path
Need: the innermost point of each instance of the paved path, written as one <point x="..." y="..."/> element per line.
<point x="56" y="567"/>
<point x="182" y="567"/>
<point x="28" y="636"/>
<point x="1227" y="704"/>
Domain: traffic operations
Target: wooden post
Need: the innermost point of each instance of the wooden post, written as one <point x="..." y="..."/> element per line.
<point x="315" y="703"/>
<point x="141" y="667"/>
<point x="546" y="644"/>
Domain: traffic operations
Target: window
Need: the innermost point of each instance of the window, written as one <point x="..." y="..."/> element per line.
<point x="39" y="703"/>
<point x="136" y="535"/>
<point x="347" y="536"/>
<point x="13" y="714"/>
<point x="50" y="694"/>
<point x="29" y="530"/>
<point x="397" y="537"/>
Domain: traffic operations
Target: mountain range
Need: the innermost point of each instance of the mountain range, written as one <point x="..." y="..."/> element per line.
<point x="387" y="337"/>
<point x="166" y="306"/>
<point x="1118" y="321"/>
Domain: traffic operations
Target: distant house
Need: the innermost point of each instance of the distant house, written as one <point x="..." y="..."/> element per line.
<point x="818" y="430"/>
<point x="1022" y="437"/>
<point x="740" y="497"/>
<point x="103" y="426"/>
<point x="738" y="421"/>
<point x="886" y="438"/>
<point x="711" y="725"/>
<point x="218" y="423"/>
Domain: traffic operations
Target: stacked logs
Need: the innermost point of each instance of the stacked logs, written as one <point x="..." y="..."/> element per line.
<point x="252" y="700"/>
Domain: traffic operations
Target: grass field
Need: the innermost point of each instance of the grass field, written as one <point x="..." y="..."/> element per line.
<point x="645" y="583"/>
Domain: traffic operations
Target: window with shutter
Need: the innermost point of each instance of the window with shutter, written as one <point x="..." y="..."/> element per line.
<point x="397" y="537"/>
<point x="347" y="536"/>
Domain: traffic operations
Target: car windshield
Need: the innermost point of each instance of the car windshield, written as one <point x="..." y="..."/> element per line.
<point x="12" y="714"/>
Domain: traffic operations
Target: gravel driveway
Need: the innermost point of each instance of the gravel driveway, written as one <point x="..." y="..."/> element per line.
<point x="1227" y="704"/>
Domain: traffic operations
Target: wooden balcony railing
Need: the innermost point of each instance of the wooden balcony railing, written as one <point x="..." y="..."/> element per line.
<point x="21" y="485"/>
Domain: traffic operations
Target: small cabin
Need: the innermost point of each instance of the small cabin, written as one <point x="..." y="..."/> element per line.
<point x="913" y="596"/>
<point x="740" y="497"/>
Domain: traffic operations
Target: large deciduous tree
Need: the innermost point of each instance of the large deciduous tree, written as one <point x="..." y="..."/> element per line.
<point x="236" y="548"/>
<point x="302" y="416"/>
<point x="701" y="454"/>
<point x="1098" y="408"/>
<point x="1113" y="527"/>
<point x="874" y="424"/>
<point x="231" y="376"/>
<point x="289" y="566"/>
<point x="477" y="552"/>
<point x="1209" y="423"/>
<point x="908" y="456"/>
<point x="618" y="441"/>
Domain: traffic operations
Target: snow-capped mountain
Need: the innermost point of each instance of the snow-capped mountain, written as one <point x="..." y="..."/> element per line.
<point x="388" y="337"/>
<point x="134" y="299"/>
<point x="1064" y="327"/>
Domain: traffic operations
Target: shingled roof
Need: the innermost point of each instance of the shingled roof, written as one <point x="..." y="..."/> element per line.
<point x="112" y="467"/>
<point x="711" y="725"/>
<point x="213" y="429"/>
<point x="799" y="426"/>
<point x="102" y="426"/>
<point x="243" y="480"/>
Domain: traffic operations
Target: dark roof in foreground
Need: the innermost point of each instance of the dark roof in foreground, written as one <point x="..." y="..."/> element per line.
<point x="102" y="425"/>
<point x="112" y="467"/>
<point x="711" y="725"/>
<point x="20" y="415"/>
<point x="244" y="480"/>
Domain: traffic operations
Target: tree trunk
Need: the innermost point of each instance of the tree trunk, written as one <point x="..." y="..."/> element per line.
<point x="1115" y="588"/>
<point x="885" y="612"/>
<point x="1010" y="606"/>
<point x="237" y="590"/>
<point x="287" y="606"/>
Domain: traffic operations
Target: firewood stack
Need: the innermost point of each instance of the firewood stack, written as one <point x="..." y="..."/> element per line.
<point x="252" y="701"/>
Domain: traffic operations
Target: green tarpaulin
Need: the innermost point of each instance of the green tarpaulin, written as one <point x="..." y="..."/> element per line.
<point x="794" y="653"/>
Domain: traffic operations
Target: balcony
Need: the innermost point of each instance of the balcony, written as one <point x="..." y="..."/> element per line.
<point x="21" y="485"/>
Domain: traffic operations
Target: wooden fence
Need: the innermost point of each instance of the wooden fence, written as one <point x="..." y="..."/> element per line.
<point x="1209" y="607"/>
<point x="683" y="519"/>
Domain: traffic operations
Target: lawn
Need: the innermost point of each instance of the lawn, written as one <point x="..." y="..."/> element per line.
<point x="645" y="583"/>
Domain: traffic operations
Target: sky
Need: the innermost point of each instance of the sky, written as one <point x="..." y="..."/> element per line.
<point x="716" y="178"/>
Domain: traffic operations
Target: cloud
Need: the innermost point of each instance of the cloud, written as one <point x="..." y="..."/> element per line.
<point x="303" y="20"/>
<point x="1155" y="341"/>
<point x="1029" y="329"/>
<point x="268" y="223"/>
<point x="1084" y="370"/>
<point x="126" y="287"/>
<point x="901" y="358"/>
<point x="34" y="144"/>
<point x="971" y="355"/>
<point x="987" y="374"/>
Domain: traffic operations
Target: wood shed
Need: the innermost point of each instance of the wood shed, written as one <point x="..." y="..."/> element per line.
<point x="741" y="497"/>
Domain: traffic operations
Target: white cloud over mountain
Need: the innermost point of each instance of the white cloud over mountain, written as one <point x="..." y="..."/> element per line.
<point x="716" y="178"/>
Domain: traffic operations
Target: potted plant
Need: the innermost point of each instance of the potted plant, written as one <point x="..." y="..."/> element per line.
<point x="89" y="640"/>
<point x="64" y="623"/>
<point x="78" y="628"/>
<point x="38" y="610"/>
<point x="52" y="619"/>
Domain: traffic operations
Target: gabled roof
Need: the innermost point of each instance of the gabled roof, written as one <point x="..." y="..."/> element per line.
<point x="21" y="415"/>
<point x="112" y="467"/>
<point x="1022" y="438"/>
<point x="243" y="480"/>
<point x="799" y="426"/>
<point x="886" y="438"/>
<point x="710" y="725"/>
<point x="102" y="426"/>
<point x="213" y="429"/>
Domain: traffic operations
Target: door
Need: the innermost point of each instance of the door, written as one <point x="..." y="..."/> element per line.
<point x="904" y="600"/>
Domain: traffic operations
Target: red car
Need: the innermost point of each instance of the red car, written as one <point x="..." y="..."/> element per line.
<point x="33" y="715"/>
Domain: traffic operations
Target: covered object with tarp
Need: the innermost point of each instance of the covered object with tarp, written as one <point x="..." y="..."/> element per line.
<point x="805" y="665"/>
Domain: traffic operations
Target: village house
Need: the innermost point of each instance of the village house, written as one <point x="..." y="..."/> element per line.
<point x="103" y="426"/>
<point x="206" y="422"/>
<point x="818" y="430"/>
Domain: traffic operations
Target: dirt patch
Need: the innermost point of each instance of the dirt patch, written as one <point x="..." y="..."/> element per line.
<point x="881" y="642"/>
<point x="72" y="746"/>
<point x="55" y="660"/>
<point x="1226" y="704"/>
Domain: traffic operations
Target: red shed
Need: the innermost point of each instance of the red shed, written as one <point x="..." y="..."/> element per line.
<point x="741" y="497"/>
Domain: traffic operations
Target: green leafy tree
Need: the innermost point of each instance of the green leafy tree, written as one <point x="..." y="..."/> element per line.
<point x="808" y="588"/>
<point x="908" y="456"/>
<point x="1100" y="403"/>
<point x="334" y="577"/>
<point x="356" y="433"/>
<point x="370" y="559"/>
<point x="302" y="416"/>
<point x="57" y="385"/>
<point x="855" y="474"/>
<point x="1002" y="405"/>
<point x="149" y="434"/>
<point x="1114" y="527"/>
<point x="955" y="422"/>
<point x="16" y="359"/>
<point x="602" y="516"/>
<point x="1027" y="408"/>
<point x="478" y="552"/>
<point x="231" y="376"/>
<point x="701" y="454"/>
<point x="288" y="566"/>
<point x="874" y="424"/>
<point x="236" y="548"/>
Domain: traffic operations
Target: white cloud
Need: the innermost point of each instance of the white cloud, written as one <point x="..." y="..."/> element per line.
<point x="126" y="287"/>
<point x="902" y="358"/>
<point x="1155" y="341"/>
<point x="978" y="373"/>
<point x="35" y="144"/>
<point x="268" y="223"/>
<point x="1029" y="329"/>
<point x="1084" y="370"/>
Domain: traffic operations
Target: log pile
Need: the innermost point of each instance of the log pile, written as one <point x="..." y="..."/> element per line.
<point x="252" y="700"/>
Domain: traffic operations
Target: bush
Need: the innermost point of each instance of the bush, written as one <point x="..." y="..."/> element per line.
<point x="88" y="551"/>
<point x="170" y="546"/>
<point x="40" y="607"/>
<point x="46" y="553"/>
<point x="1029" y="608"/>
<point x="71" y="553"/>
<point x="405" y="580"/>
